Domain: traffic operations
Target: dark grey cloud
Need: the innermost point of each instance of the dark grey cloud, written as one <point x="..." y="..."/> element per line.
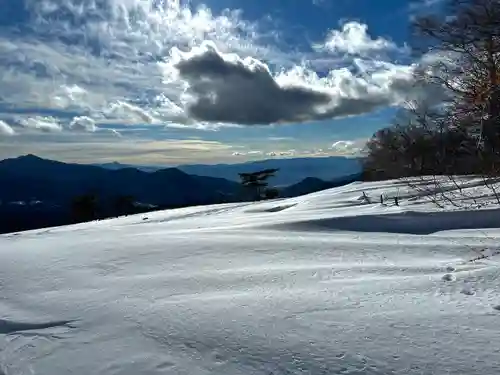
<point x="244" y="93"/>
<point x="233" y="90"/>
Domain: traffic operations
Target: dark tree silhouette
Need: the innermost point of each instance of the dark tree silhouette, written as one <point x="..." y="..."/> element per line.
<point x="256" y="182"/>
<point x="408" y="149"/>
<point x="124" y="205"/>
<point x="271" y="193"/>
<point x="84" y="207"/>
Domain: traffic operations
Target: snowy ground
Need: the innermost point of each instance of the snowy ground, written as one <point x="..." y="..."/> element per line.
<point x="321" y="284"/>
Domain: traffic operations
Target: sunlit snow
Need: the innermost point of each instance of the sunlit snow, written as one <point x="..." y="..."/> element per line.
<point x="321" y="284"/>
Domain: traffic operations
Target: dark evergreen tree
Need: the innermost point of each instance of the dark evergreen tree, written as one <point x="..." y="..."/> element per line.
<point x="256" y="182"/>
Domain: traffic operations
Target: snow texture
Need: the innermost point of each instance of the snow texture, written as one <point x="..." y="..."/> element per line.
<point x="326" y="283"/>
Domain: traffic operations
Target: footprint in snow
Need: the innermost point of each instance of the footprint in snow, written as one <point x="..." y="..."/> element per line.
<point x="218" y="358"/>
<point x="448" y="277"/>
<point x="468" y="290"/>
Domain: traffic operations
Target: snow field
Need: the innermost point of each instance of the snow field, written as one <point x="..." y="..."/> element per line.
<point x="321" y="284"/>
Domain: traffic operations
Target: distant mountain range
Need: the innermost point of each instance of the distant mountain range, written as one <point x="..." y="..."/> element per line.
<point x="31" y="177"/>
<point x="114" y="166"/>
<point x="292" y="170"/>
<point x="36" y="192"/>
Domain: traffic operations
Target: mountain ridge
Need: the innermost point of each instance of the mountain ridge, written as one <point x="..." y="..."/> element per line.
<point x="37" y="192"/>
<point x="292" y="170"/>
<point x="32" y="176"/>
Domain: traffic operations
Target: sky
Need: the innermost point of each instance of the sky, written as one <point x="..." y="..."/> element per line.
<point x="170" y="82"/>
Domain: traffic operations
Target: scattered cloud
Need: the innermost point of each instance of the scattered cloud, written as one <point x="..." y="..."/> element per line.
<point x="114" y="132"/>
<point x="287" y="153"/>
<point x="6" y="129"/>
<point x="347" y="148"/>
<point x="279" y="139"/>
<point x="83" y="123"/>
<point x="129" y="113"/>
<point x="338" y="148"/>
<point x="353" y="38"/>
<point x="103" y="59"/>
<point x="424" y="4"/>
<point x="40" y="123"/>
<point x="166" y="63"/>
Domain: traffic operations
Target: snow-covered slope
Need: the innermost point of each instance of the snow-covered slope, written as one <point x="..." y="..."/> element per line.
<point x="321" y="284"/>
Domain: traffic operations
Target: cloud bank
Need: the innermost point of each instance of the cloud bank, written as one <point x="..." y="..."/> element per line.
<point x="229" y="89"/>
<point x="150" y="62"/>
<point x="101" y="69"/>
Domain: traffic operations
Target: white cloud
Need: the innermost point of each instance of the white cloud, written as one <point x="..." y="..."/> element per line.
<point x="130" y="113"/>
<point x="353" y="38"/>
<point x="114" y="132"/>
<point x="41" y="123"/>
<point x="83" y="123"/>
<point x="6" y="129"/>
<point x="279" y="139"/>
<point x="284" y="153"/>
<point x="347" y="148"/>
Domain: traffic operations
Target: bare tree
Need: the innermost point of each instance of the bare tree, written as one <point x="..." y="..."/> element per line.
<point x="464" y="38"/>
<point x="460" y="132"/>
<point x="419" y="143"/>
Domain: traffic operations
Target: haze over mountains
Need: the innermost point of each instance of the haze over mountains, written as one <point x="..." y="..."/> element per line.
<point x="292" y="170"/>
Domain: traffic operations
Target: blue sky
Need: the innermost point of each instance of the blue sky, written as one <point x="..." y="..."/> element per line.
<point x="206" y="81"/>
